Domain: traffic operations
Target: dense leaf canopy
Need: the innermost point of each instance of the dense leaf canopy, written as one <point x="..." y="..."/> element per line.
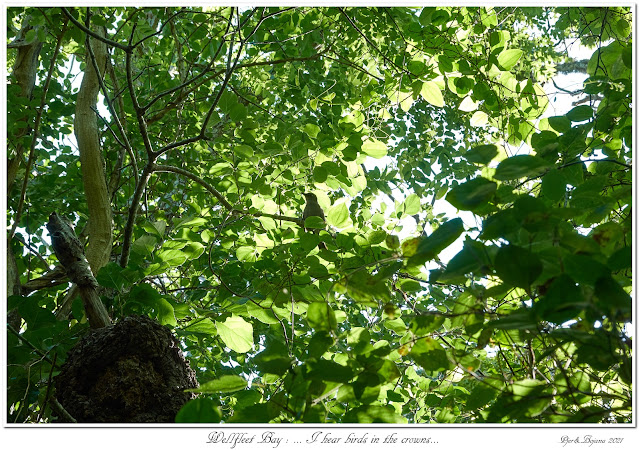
<point x="211" y="125"/>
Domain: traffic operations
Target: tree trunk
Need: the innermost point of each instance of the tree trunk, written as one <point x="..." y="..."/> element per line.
<point x="24" y="72"/>
<point x="91" y="160"/>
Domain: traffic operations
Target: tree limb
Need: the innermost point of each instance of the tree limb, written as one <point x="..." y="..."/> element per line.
<point x="70" y="253"/>
<point x="91" y="160"/>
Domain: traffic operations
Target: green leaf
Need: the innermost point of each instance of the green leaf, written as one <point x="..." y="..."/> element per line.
<point x="412" y="205"/>
<point x="226" y="383"/>
<point x="562" y="302"/>
<point x="580" y="113"/>
<point x="584" y="269"/>
<point x="329" y="371"/>
<point x="521" y="319"/>
<point x="319" y="344"/>
<point x="520" y="166"/>
<point x="397" y="325"/>
<point x="321" y="316"/>
<point x="553" y="185"/>
<point x="173" y="258"/>
<point x="392" y="242"/>
<point x="311" y="130"/>
<point x="482" y="154"/>
<point x="365" y="288"/>
<point x="528" y="398"/>
<point x="193" y="250"/>
<point x="611" y="295"/>
<point x="110" y="276"/>
<point x="258" y="413"/>
<point x="236" y="333"/>
<point x="204" y="327"/>
<point x="264" y="315"/>
<point x="468" y="105"/>
<point x="478" y="119"/>
<point x="374" y="148"/>
<point x="472" y="195"/>
<point x="425" y="324"/>
<point x="471" y="259"/>
<point x="199" y="410"/>
<point x="274" y="359"/>
<point x="314" y="222"/>
<point x="147" y="295"/>
<point x="480" y="396"/>
<point x="621" y="259"/>
<point x="238" y="112"/>
<point x="359" y="339"/>
<point x="246" y="253"/>
<point x="243" y="150"/>
<point x="432" y="94"/>
<point x="508" y="58"/>
<point x="429" y="354"/>
<point x="373" y="414"/>
<point x="517" y="266"/>
<point x="320" y="174"/>
<point x="430" y="246"/>
<point x="338" y="215"/>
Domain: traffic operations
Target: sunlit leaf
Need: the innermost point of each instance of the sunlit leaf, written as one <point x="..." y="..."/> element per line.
<point x="432" y="94"/>
<point x="509" y="58"/>
<point x="226" y="383"/>
<point x="236" y="333"/>
<point x="374" y="148"/>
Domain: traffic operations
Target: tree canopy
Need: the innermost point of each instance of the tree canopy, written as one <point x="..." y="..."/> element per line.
<point x="183" y="156"/>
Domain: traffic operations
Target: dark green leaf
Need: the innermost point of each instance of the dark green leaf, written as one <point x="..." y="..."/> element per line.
<point x="517" y="266"/>
<point x="320" y="343"/>
<point x="580" y="113"/>
<point x="521" y="319"/>
<point x="329" y="371"/>
<point x="473" y="258"/>
<point x="611" y="295"/>
<point x="480" y="396"/>
<point x="429" y="354"/>
<point x="520" y="166"/>
<point x="553" y="185"/>
<point x="482" y="154"/>
<point x="146" y="295"/>
<point x="274" y="359"/>
<point x="426" y="324"/>
<point x="562" y="302"/>
<point x="621" y="259"/>
<point x="472" y="195"/>
<point x="430" y="246"/>
<point x="584" y="269"/>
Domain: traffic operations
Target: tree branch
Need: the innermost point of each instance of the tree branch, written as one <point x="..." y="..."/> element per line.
<point x="36" y="130"/>
<point x="220" y="197"/>
<point x="126" y="48"/>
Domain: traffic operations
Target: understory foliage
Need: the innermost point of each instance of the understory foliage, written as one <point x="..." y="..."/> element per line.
<point x="212" y="123"/>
